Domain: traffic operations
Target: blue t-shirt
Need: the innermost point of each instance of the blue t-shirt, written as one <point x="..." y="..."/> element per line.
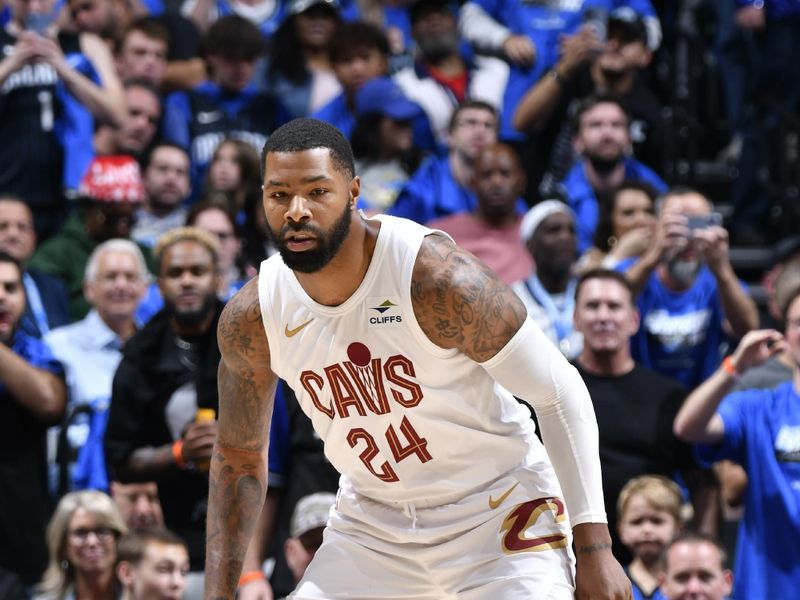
<point x="433" y="192"/>
<point x="762" y="433"/>
<point x="583" y="200"/>
<point x="681" y="333"/>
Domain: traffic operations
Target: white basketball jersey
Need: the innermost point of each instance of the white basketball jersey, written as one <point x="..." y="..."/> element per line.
<point x="403" y="419"/>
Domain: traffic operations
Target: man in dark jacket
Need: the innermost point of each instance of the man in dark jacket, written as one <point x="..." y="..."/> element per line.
<point x="161" y="423"/>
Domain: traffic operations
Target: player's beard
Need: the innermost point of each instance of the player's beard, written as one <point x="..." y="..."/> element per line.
<point x="328" y="243"/>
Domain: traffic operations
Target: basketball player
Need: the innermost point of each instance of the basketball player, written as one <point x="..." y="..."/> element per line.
<point x="400" y="347"/>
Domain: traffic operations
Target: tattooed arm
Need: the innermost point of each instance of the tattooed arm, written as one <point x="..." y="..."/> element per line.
<point x="238" y="479"/>
<point x="459" y="303"/>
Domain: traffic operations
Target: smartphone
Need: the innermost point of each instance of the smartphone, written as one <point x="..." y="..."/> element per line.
<point x="597" y="19"/>
<point x="713" y="219"/>
<point x="38" y="22"/>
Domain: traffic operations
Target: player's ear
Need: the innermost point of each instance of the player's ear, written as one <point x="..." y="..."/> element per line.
<point x="355" y="192"/>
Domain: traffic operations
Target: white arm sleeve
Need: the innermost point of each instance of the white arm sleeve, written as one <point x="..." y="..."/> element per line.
<point x="480" y="29"/>
<point x="532" y="368"/>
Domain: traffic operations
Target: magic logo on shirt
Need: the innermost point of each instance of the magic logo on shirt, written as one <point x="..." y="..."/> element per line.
<point x="386" y="312"/>
<point x="787" y="444"/>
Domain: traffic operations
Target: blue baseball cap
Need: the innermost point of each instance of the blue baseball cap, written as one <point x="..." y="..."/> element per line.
<point x="382" y="95"/>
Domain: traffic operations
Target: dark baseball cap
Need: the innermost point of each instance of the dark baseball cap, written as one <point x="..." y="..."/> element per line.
<point x="382" y="95"/>
<point x="629" y="22"/>
<point x="300" y="6"/>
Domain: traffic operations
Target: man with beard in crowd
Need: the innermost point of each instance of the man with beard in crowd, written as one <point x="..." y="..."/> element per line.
<point x="690" y="299"/>
<point x="491" y="231"/>
<point x="445" y="71"/>
<point x="603" y="141"/>
<point x="586" y="66"/>
<point x="167" y="374"/>
<point x="166" y="186"/>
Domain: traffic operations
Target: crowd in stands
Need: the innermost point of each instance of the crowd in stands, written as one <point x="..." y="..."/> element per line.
<point x="601" y="156"/>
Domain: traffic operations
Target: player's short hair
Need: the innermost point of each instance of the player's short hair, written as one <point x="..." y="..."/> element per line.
<point x="609" y="274"/>
<point x="693" y="537"/>
<point x="234" y="38"/>
<point x="658" y="491"/>
<point x="306" y="134"/>
<point x="147" y="26"/>
<point x="131" y="547"/>
<point x="186" y="234"/>
<point x="470" y="104"/>
<point x="351" y="37"/>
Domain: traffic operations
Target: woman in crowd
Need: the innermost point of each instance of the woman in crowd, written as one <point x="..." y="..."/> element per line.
<point x="625" y="228"/>
<point x="234" y="170"/>
<point x="82" y="544"/>
<point x="299" y="73"/>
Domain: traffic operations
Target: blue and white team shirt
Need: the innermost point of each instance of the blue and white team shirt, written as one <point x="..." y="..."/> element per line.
<point x="681" y="334"/>
<point x="762" y="433"/>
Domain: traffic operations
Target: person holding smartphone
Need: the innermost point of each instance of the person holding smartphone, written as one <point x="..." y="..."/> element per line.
<point x="54" y="86"/>
<point x="690" y="299"/>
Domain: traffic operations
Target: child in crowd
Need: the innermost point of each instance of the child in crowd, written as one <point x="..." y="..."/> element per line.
<point x="648" y="513"/>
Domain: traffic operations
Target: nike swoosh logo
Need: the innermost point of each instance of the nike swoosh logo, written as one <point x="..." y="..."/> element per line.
<point x="495" y="503"/>
<point x="293" y="332"/>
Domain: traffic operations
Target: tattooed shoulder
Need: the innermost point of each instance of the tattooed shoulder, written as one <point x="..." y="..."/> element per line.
<point x="240" y="333"/>
<point x="460" y="303"/>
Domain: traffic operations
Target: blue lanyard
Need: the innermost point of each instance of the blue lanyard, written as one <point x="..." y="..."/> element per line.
<point x="561" y="319"/>
<point x="35" y="302"/>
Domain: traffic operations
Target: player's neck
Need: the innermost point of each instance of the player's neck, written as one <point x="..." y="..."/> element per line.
<point x="340" y="278"/>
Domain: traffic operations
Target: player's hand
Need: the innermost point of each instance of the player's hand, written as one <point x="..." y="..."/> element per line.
<point x="259" y="589"/>
<point x="757" y="347"/>
<point x="198" y="441"/>
<point x="520" y="50"/>
<point x="598" y="574"/>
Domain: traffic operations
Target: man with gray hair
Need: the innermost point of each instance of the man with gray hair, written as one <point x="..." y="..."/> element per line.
<point x="548" y="232"/>
<point x="114" y="282"/>
<point x="689" y="297"/>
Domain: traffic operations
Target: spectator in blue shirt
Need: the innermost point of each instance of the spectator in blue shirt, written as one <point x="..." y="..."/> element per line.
<point x="695" y="566"/>
<point x="440" y="187"/>
<point x="690" y="299"/>
<point x="760" y="430"/>
<point x="602" y="139"/>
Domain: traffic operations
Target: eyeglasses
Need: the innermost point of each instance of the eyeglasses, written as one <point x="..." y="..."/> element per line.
<point x="103" y="534"/>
